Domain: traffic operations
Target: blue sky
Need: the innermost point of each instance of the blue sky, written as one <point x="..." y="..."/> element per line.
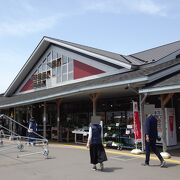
<point x="122" y="26"/>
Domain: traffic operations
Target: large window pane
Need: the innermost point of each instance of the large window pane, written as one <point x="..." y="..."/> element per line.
<point x="44" y="65"/>
<point x="54" y="72"/>
<point x="70" y="76"/>
<point x="64" y="68"/>
<point x="64" y="77"/>
<point x="49" y="57"/>
<point x="64" y="59"/>
<point x="70" y="66"/>
<point x="40" y="69"/>
<point x="55" y="55"/>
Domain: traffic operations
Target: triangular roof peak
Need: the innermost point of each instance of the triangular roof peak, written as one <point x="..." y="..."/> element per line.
<point x="129" y="62"/>
<point x="45" y="42"/>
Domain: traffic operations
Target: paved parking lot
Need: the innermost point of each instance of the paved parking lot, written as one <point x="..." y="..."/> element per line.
<point x="68" y="162"/>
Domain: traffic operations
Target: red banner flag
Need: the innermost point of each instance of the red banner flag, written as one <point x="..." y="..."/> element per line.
<point x="137" y="125"/>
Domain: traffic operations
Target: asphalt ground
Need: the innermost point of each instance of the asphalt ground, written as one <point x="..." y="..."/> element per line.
<point x="72" y="162"/>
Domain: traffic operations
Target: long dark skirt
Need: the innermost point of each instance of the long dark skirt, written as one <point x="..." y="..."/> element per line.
<point x="97" y="153"/>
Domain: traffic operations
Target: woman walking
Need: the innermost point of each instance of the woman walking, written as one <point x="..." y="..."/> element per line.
<point x="97" y="152"/>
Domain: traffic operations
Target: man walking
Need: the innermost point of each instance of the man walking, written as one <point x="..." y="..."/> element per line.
<point x="151" y="135"/>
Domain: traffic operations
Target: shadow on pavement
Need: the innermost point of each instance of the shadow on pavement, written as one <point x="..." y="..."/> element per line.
<point x="111" y="169"/>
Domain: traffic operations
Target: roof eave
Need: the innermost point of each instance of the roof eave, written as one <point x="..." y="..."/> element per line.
<point x="160" y="90"/>
<point x="76" y="91"/>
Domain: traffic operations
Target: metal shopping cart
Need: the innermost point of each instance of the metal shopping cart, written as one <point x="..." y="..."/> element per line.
<point x="10" y="139"/>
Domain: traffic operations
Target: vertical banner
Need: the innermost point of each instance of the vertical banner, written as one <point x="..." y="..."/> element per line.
<point x="137" y="125"/>
<point x="171" y="135"/>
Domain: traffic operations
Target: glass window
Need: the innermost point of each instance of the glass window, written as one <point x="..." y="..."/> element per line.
<point x="58" y="62"/>
<point x="49" y="61"/>
<point x="64" y="68"/>
<point x="55" y="55"/>
<point x="40" y="69"/>
<point x="59" y="55"/>
<point x="54" y="64"/>
<point x="44" y="65"/>
<point x="54" y="72"/>
<point x="59" y="74"/>
<point x="35" y="79"/>
<point x="64" y="77"/>
<point x="64" y="59"/>
<point x="70" y="66"/>
<point x="70" y="76"/>
<point x="64" y="72"/>
<point x="70" y="59"/>
<point x="49" y="57"/>
<point x="59" y="71"/>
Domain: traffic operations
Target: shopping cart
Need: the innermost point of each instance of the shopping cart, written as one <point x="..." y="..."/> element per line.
<point x="10" y="139"/>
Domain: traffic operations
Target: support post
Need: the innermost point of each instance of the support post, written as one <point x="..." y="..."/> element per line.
<point x="93" y="98"/>
<point x="164" y="100"/>
<point x="163" y="126"/>
<point x="44" y="120"/>
<point x="59" y="133"/>
<point x="27" y="113"/>
<point x="142" y="102"/>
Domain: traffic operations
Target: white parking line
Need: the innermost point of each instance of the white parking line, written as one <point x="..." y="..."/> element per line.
<point x="121" y="158"/>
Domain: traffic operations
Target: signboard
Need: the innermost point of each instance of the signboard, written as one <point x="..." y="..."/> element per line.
<point x="171" y="137"/>
<point x="170" y="124"/>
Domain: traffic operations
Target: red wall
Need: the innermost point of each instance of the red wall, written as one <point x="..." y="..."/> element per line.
<point x="83" y="70"/>
<point x="27" y="86"/>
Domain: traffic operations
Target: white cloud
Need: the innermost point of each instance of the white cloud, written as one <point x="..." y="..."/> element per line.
<point x="126" y="6"/>
<point x="149" y="7"/>
<point x="24" y="27"/>
<point x="27" y="17"/>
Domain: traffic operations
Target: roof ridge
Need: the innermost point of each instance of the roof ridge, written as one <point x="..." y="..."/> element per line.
<point x="83" y="45"/>
<point x="154" y="48"/>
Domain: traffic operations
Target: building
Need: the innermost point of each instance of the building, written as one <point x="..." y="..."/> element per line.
<point x="63" y="84"/>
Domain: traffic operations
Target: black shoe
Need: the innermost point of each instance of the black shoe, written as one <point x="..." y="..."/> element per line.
<point x="145" y="164"/>
<point x="163" y="164"/>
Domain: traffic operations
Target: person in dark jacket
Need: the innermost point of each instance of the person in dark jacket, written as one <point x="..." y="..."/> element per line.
<point x="24" y="128"/>
<point x="32" y="129"/>
<point x="97" y="152"/>
<point x="151" y="135"/>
